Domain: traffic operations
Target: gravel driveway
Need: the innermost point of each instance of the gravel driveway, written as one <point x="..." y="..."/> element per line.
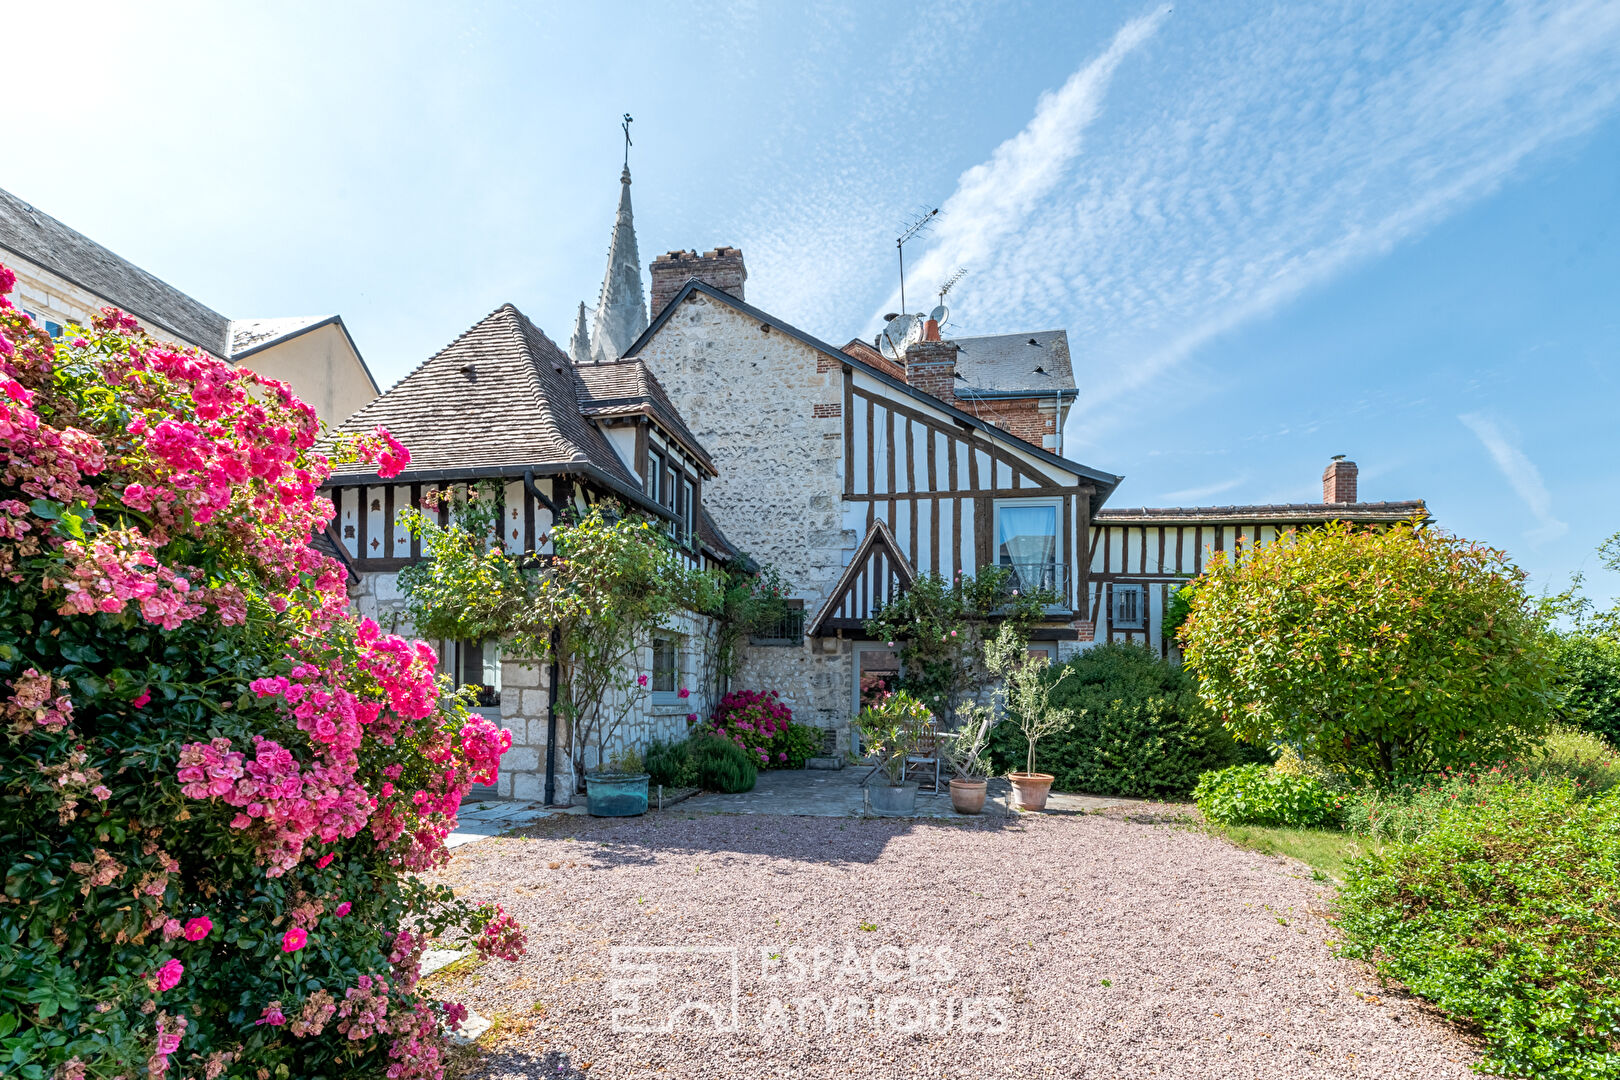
<point x="1042" y="947"/>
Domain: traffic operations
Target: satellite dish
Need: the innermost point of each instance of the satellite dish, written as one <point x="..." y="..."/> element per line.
<point x="901" y="332"/>
<point x="940" y="314"/>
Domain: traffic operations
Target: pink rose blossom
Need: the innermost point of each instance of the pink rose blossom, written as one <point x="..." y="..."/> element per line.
<point x="293" y="940"/>
<point x="168" y="976"/>
<point x="140" y="702"/>
<point x="342" y="909"/>
<point x="641" y="680"/>
<point x="683" y="693"/>
<point x="324" y="861"/>
<point x="272" y="1015"/>
<point x="199" y="928"/>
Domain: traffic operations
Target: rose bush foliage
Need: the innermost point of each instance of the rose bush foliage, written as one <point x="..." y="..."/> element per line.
<point x="215" y="783"/>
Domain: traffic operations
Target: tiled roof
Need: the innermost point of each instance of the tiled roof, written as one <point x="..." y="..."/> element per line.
<point x="248" y="334"/>
<point x="713" y="539"/>
<point x="502" y="395"/>
<point x="625" y="388"/>
<point x="42" y="239"/>
<point x="1036" y="363"/>
<point x="1284" y="512"/>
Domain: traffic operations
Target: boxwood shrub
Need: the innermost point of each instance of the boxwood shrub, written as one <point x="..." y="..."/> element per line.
<point x="1139" y="728"/>
<point x="1504" y="914"/>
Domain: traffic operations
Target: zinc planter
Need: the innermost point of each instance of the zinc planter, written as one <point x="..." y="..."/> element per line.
<point x="967" y="796"/>
<point x="616" y="794"/>
<point x="1029" y="790"/>
<point x="894" y="801"/>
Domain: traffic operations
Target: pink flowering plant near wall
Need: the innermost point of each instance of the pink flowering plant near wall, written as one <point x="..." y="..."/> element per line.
<point x="760" y="722"/>
<point x="215" y="783"/>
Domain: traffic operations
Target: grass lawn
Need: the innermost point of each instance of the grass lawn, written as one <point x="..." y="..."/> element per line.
<point x="1326" y="850"/>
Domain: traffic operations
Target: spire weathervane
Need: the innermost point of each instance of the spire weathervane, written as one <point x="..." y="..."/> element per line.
<point x="628" y="120"/>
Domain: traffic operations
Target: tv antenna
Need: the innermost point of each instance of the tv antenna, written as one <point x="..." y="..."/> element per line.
<point x="628" y="120"/>
<point x="919" y="224"/>
<point x="942" y="313"/>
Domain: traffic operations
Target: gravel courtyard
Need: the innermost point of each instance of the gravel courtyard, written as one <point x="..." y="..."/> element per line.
<point x="1079" y="946"/>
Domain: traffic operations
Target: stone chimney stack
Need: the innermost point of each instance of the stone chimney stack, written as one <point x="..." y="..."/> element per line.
<point x="1339" y="481"/>
<point x="931" y="367"/>
<point x="723" y="268"/>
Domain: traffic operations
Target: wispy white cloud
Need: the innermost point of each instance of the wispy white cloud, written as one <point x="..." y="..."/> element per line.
<point x="1248" y="158"/>
<point x="1521" y="474"/>
<point x="1207" y="491"/>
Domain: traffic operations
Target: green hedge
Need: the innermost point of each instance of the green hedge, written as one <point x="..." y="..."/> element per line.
<point x="1504" y="914"/>
<point x="719" y="764"/>
<point x="1588" y="686"/>
<point x="1140" y="729"/>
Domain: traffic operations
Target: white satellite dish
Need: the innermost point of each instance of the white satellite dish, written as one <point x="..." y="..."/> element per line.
<point x="902" y="331"/>
<point x="940" y="314"/>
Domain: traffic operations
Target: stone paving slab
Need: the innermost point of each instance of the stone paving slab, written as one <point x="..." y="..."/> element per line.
<point x="482" y="820"/>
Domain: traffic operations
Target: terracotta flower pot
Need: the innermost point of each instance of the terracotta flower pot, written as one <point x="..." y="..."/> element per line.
<point x="967" y="796"/>
<point x="1029" y="789"/>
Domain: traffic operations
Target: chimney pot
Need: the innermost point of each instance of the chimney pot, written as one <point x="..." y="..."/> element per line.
<point x="1339" y="481"/>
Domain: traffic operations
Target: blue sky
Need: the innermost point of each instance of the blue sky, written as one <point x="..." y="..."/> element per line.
<point x="1273" y="232"/>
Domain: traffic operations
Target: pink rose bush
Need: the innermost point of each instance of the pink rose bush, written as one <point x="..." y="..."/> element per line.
<point x="213" y="761"/>
<point x="761" y="723"/>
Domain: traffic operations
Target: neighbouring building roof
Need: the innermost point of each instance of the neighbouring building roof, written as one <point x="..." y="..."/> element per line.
<point x="67" y="253"/>
<point x="626" y="388"/>
<point x="1012" y="364"/>
<point x="1379" y="512"/>
<point x="502" y="396"/>
<point x="861" y="350"/>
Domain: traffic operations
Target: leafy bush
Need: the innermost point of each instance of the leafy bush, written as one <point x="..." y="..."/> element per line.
<point x="1138" y="728"/>
<point x="1504" y="914"/>
<point x="1588" y="687"/>
<point x="216" y="786"/>
<point x="1407" y="811"/>
<point x="889" y="729"/>
<point x="760" y="722"/>
<point x="669" y="763"/>
<point x="721" y="765"/>
<point x="1263" y="795"/>
<point x="1385" y="654"/>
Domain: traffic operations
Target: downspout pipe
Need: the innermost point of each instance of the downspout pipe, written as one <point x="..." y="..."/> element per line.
<point x="551" y="682"/>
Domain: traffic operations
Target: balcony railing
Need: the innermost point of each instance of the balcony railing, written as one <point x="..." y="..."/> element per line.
<point x="788" y="630"/>
<point x="1028" y="577"/>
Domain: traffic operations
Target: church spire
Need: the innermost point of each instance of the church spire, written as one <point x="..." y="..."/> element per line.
<point x="579" y="346"/>
<point x="621" y="313"/>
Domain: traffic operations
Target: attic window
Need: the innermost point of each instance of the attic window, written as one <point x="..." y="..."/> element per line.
<point x="469" y="370"/>
<point x="1035" y="343"/>
<point x="1040" y="369"/>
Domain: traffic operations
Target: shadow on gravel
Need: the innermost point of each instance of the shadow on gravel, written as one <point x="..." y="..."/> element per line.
<point x="603" y="843"/>
<point x="498" y="1062"/>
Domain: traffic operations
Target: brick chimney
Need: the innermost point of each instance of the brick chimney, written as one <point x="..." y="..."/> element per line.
<point x="1339" y="481"/>
<point x="931" y="367"/>
<point x="723" y="268"/>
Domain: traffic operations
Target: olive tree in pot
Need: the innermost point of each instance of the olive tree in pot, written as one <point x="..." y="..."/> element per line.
<point x="1025" y="693"/>
<point x="889" y="728"/>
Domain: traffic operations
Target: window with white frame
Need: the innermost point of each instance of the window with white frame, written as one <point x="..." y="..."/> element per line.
<point x="1027" y="532"/>
<point x="1130" y="607"/>
<point x="666" y="668"/>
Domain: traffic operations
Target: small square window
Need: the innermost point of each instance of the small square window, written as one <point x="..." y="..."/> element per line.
<point x="665" y="665"/>
<point x="478" y="664"/>
<point x="1129" y="609"/>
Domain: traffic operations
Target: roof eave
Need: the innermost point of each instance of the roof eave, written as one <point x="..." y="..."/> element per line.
<point x="582" y="469"/>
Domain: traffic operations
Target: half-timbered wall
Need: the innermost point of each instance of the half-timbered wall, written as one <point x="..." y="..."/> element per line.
<point x="1155" y="558"/>
<point x="936" y="484"/>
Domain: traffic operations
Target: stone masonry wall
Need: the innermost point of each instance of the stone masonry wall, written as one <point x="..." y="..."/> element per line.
<point x="751" y="397"/>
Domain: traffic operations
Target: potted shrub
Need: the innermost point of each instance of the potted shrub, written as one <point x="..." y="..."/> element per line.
<point x="1026" y="694"/>
<point x="966" y="754"/>
<point x="889" y="731"/>
<point x="619" y="789"/>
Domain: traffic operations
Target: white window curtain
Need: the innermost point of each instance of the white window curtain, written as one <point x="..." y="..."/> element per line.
<point x="1028" y="543"/>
